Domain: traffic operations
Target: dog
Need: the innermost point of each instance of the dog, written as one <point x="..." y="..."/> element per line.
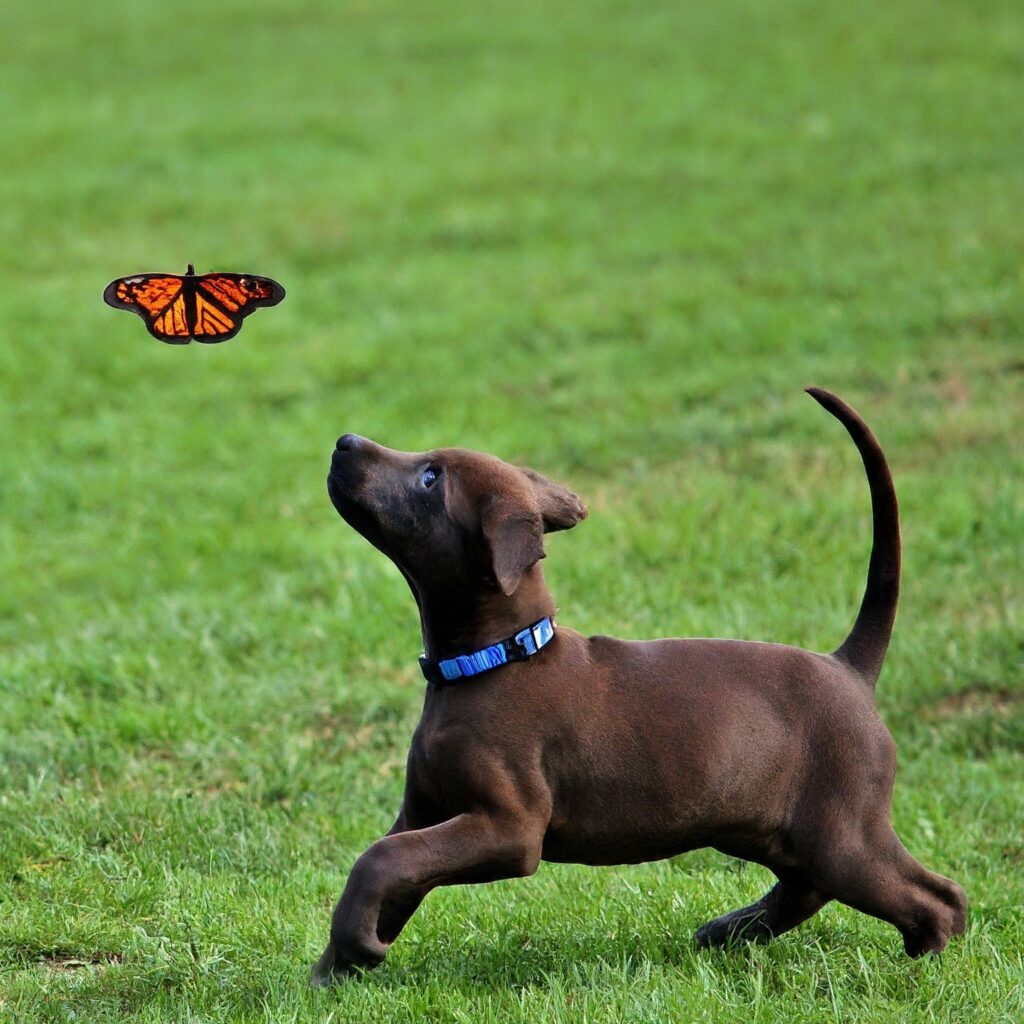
<point x="537" y="743"/>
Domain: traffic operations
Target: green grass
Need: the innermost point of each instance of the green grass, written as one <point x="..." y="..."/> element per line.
<point x="609" y="240"/>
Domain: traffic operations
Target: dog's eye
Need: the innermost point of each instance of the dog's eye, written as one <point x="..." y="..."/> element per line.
<point x="429" y="477"/>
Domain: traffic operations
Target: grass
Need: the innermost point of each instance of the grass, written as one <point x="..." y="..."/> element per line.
<point x="609" y="240"/>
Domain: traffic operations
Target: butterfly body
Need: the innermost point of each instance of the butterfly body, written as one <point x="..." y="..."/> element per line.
<point x="179" y="307"/>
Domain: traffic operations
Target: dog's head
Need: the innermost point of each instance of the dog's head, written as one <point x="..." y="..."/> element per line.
<point x="450" y="517"/>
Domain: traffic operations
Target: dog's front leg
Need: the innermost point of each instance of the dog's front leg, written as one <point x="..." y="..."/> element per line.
<point x="391" y="878"/>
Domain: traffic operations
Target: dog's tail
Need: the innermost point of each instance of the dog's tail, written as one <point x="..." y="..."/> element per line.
<point x="864" y="649"/>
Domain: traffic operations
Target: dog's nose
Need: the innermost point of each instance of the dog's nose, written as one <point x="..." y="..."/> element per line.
<point x="350" y="442"/>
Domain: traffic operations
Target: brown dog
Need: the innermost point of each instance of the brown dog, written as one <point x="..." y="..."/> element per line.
<point x="602" y="751"/>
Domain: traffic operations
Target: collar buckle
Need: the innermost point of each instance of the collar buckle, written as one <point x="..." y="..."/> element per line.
<point x="527" y="642"/>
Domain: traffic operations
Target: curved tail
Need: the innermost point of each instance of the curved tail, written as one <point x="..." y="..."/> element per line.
<point x="864" y="649"/>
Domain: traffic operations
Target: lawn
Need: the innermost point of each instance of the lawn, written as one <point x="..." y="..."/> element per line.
<point x="612" y="241"/>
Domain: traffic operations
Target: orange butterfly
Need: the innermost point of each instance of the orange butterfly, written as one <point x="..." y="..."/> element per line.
<point x="207" y="307"/>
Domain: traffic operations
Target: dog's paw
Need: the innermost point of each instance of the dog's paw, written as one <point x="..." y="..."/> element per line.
<point x="322" y="974"/>
<point x="320" y="978"/>
<point x="328" y="971"/>
<point x="333" y="966"/>
<point x="737" y="928"/>
<point x="712" y="934"/>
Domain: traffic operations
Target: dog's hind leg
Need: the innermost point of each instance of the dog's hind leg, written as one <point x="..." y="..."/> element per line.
<point x="789" y="903"/>
<point x="883" y="880"/>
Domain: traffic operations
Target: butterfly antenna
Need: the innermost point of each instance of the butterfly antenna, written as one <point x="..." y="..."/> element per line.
<point x="191" y="269"/>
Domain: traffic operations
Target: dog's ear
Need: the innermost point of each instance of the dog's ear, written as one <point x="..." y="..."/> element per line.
<point x="514" y="534"/>
<point x="559" y="507"/>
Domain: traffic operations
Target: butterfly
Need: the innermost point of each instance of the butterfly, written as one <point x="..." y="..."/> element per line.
<point x="207" y="307"/>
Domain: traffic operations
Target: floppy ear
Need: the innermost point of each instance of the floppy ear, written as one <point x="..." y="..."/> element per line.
<point x="514" y="534"/>
<point x="559" y="507"/>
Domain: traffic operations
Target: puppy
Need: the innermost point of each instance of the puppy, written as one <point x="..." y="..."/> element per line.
<point x="539" y="743"/>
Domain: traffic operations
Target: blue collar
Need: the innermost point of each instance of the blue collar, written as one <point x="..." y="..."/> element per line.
<point x="526" y="643"/>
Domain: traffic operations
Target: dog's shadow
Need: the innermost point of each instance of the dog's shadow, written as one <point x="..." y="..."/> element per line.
<point x="479" y="965"/>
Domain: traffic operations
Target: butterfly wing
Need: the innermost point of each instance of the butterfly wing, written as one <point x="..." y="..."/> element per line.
<point x="224" y="300"/>
<point x="209" y="308"/>
<point x="159" y="299"/>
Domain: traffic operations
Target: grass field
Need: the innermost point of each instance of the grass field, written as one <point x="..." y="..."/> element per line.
<point x="609" y="240"/>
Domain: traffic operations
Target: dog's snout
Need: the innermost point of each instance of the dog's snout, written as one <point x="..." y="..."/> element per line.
<point x="350" y="443"/>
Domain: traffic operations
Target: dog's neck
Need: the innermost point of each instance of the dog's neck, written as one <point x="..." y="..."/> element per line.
<point x="466" y="620"/>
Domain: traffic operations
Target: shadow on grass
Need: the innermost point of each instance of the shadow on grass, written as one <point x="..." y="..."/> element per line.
<point x="487" y="967"/>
